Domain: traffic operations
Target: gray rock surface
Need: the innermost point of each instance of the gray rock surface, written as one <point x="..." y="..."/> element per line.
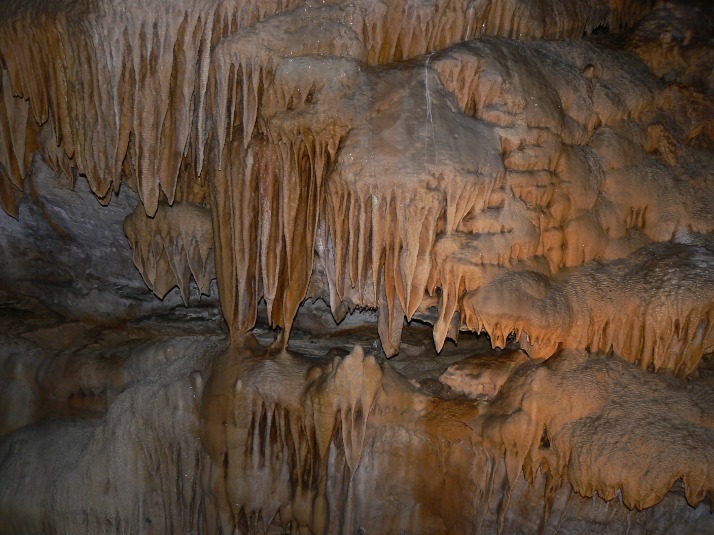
<point x="69" y="252"/>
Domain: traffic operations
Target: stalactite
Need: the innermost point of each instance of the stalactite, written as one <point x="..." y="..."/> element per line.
<point x="142" y="55"/>
<point x="16" y="145"/>
<point x="159" y="111"/>
<point x="266" y="206"/>
<point x="173" y="245"/>
<point x="516" y="185"/>
<point x="399" y="30"/>
<point x="244" y="64"/>
<point x="102" y="74"/>
<point x="235" y="201"/>
<point x="652" y="308"/>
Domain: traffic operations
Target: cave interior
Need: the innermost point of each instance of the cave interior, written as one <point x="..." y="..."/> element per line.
<point x="356" y="266"/>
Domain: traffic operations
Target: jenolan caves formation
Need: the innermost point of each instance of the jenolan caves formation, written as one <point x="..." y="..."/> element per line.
<point x="463" y="253"/>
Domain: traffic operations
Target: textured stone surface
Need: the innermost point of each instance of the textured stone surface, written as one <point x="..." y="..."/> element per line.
<point x="70" y="252"/>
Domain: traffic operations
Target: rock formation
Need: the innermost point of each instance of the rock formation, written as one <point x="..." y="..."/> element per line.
<point x="533" y="179"/>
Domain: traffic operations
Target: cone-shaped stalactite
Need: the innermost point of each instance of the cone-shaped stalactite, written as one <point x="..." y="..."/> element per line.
<point x="266" y="201"/>
<point x="174" y="245"/>
<point x="426" y="176"/>
<point x="17" y="144"/>
<point x="102" y="74"/>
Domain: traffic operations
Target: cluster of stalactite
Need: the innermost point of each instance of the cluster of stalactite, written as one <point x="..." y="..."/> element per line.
<point x="173" y="246"/>
<point x="655" y="308"/>
<point x="412" y="160"/>
<point x="434" y="160"/>
<point x="127" y="84"/>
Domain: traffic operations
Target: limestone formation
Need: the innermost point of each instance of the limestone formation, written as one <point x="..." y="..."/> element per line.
<point x="172" y="246"/>
<point x="654" y="307"/>
<point x="483" y="375"/>
<point x="533" y="179"/>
